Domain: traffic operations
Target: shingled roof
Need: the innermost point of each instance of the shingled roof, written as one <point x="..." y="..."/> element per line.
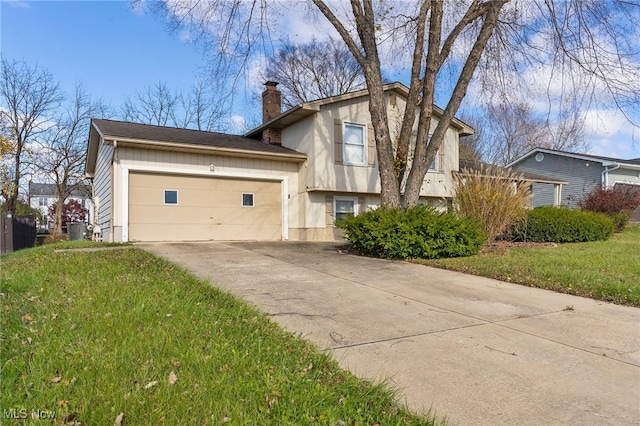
<point x="476" y="166"/>
<point x="50" y="190"/>
<point x="111" y="129"/>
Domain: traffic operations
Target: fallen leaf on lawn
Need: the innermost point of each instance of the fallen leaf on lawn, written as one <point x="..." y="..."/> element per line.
<point x="226" y="419"/>
<point x="172" y="378"/>
<point x="119" y="419"/>
<point x="151" y="384"/>
<point x="27" y="317"/>
<point x="176" y="364"/>
<point x="107" y="315"/>
<point x="56" y="379"/>
<point x="308" y="368"/>
<point x="54" y="316"/>
<point x="62" y="403"/>
<point x="70" y="419"/>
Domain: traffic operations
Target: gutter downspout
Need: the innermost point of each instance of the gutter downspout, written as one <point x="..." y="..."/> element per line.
<point x="113" y="184"/>
<point x="605" y="174"/>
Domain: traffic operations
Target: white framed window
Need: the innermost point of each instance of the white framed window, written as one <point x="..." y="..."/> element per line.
<point x="171" y="197"/>
<point x="344" y="206"/>
<point x="435" y="164"/>
<point x="43" y="202"/>
<point x="247" y="199"/>
<point x="354" y="137"/>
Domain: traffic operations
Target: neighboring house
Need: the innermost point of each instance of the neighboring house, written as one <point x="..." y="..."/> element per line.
<point x="554" y="184"/>
<point x="290" y="178"/>
<point x="582" y="172"/>
<point x="43" y="195"/>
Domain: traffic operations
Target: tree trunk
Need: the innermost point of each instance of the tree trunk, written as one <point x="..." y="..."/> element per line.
<point x="57" y="219"/>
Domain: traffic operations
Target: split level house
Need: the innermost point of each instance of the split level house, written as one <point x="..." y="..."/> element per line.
<point x="288" y="179"/>
<point x="580" y="173"/>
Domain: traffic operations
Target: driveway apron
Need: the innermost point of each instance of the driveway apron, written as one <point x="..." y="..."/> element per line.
<point x="477" y="350"/>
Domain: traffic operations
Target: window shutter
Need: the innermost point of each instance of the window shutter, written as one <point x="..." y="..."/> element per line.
<point x="328" y="202"/>
<point x="337" y="139"/>
<point x="371" y="154"/>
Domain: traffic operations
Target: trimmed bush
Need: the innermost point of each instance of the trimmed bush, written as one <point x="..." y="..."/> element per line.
<point x="419" y="232"/>
<point x="620" y="220"/>
<point x="496" y="197"/>
<point x="560" y="225"/>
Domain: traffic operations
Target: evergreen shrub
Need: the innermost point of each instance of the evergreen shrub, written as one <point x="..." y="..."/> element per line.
<point x="561" y="225"/>
<point x="419" y="232"/>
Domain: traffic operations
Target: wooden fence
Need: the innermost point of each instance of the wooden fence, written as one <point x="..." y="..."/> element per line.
<point x="17" y="232"/>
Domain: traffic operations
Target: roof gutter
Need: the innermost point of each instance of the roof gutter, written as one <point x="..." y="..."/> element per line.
<point x="605" y="174"/>
<point x="206" y="149"/>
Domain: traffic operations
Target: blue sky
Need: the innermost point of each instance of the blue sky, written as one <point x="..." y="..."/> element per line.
<point x="114" y="51"/>
<point x="107" y="46"/>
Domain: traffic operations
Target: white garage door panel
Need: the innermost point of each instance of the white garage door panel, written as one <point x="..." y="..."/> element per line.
<point x="208" y="209"/>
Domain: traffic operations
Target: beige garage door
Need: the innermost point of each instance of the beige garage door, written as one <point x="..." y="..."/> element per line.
<point x="187" y="208"/>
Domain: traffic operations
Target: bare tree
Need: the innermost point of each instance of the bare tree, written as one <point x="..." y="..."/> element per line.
<point x="162" y="106"/>
<point x="471" y="146"/>
<point x="314" y="70"/>
<point x="201" y="109"/>
<point x="61" y="154"/>
<point x="499" y="38"/>
<point x="512" y="130"/>
<point x="153" y="105"/>
<point x="28" y="95"/>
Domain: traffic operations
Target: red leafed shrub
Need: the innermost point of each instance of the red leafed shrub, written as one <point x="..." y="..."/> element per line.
<point x="611" y="201"/>
<point x="618" y="203"/>
<point x="72" y="211"/>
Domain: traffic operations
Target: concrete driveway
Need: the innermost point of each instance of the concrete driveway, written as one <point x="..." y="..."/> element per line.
<point x="476" y="350"/>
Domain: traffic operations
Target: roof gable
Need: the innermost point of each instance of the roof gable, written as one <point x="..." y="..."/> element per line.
<point x="306" y="109"/>
<point x="605" y="161"/>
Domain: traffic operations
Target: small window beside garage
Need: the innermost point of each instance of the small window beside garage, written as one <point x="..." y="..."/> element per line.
<point x="171" y="196"/>
<point x="247" y="200"/>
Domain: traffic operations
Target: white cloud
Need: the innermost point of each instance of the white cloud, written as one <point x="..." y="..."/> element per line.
<point x="237" y="124"/>
<point x="611" y="134"/>
<point x="17" y="3"/>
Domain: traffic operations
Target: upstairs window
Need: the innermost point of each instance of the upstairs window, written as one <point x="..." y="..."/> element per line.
<point x="435" y="164"/>
<point x="354" y="143"/>
<point x="43" y="202"/>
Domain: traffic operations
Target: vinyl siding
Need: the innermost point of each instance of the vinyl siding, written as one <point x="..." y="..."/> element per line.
<point x="543" y="194"/>
<point x="102" y="184"/>
<point x="583" y="176"/>
<point x="622" y="175"/>
<point x="315" y="136"/>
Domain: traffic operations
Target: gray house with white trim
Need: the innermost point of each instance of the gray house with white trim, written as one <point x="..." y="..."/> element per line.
<point x="582" y="172"/>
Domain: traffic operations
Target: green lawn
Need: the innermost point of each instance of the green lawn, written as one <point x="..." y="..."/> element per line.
<point x="90" y="335"/>
<point x="605" y="270"/>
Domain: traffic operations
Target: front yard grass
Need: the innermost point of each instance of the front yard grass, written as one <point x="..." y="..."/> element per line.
<point x="86" y="336"/>
<point x="605" y="270"/>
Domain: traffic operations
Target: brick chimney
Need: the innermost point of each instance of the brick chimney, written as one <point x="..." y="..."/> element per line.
<point x="271" y="108"/>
